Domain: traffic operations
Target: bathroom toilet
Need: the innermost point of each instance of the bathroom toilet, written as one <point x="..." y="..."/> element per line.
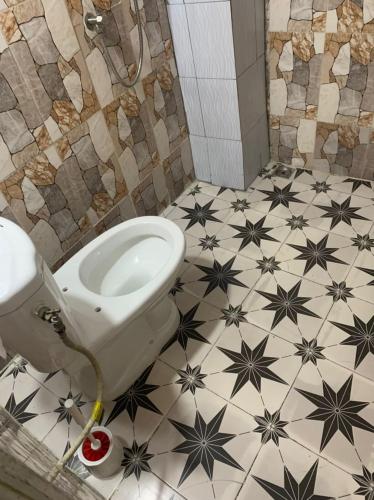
<point x="114" y="295"/>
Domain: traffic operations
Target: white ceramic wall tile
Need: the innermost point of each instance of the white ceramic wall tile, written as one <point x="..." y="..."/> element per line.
<point x="199" y="146"/>
<point x="211" y="39"/>
<point x="181" y="40"/>
<point x="192" y="105"/>
<point x="172" y="2"/>
<point x="226" y="161"/>
<point x="244" y="30"/>
<point x="219" y="103"/>
<point x="252" y="95"/>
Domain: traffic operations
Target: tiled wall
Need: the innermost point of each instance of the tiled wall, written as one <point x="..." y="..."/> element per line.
<point x="321" y="68"/>
<point x="78" y="152"/>
<point x="220" y="54"/>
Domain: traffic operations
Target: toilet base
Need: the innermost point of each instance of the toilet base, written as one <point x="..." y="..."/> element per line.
<point x="130" y="352"/>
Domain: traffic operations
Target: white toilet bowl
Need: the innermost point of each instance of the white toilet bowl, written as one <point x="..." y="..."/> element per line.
<point x="117" y="290"/>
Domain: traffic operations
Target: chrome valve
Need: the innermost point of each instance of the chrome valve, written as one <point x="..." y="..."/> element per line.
<point x="94" y="22"/>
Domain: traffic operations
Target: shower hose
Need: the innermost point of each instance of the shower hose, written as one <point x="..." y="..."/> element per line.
<point x="108" y="58"/>
<point x="60" y="329"/>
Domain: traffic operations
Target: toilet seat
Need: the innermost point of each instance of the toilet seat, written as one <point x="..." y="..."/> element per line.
<point x="148" y="249"/>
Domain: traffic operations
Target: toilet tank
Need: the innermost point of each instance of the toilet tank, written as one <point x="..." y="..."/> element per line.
<point x="26" y="283"/>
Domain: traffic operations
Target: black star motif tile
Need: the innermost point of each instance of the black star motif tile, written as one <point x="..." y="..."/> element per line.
<point x="177" y="287"/>
<point x="365" y="482"/>
<point x="369" y="271"/>
<point x="234" y="315"/>
<point x="339" y="291"/>
<point x="330" y="411"/>
<point x="316" y="255"/>
<point x="348" y="336"/>
<point x="347" y="215"/>
<point x="321" y="187"/>
<point x="309" y="351"/>
<point x="253" y="234"/>
<point x="295" y="474"/>
<point x="250" y="365"/>
<point x="359" y="187"/>
<point x="341" y="212"/>
<point x="209" y="242"/>
<point x="136" y="460"/>
<point x="337" y="411"/>
<point x="281" y="197"/>
<point x="63" y="413"/>
<point x="310" y="177"/>
<point x="75" y="465"/>
<point x="204" y="447"/>
<point x="191" y="379"/>
<point x="240" y="205"/>
<point x="200" y="326"/>
<point x="200" y="215"/>
<point x="18" y="410"/>
<point x="186" y="330"/>
<point x="266" y="415"/>
<point x="292" y="489"/>
<point x="357" y="183"/>
<point x="31" y="404"/>
<point x="162" y="378"/>
<point x="268" y="265"/>
<point x="271" y="427"/>
<point x="297" y="222"/>
<point x="288" y="306"/>
<point x="220" y="277"/>
<point x="363" y="242"/>
<point x="204" y="444"/>
<point x="361" y="277"/>
<point x="251" y="368"/>
<point x="222" y="193"/>
<point x="136" y="396"/>
<point x="360" y="335"/>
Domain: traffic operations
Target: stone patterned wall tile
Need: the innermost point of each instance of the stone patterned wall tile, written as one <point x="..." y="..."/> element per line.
<point x="348" y="149"/>
<point x="68" y="170"/>
<point x="332" y="48"/>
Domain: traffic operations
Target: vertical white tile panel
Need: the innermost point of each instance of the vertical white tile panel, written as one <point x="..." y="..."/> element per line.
<point x="212" y="39"/>
<point x="226" y="163"/>
<point x="219" y="103"/>
<point x="181" y="40"/>
<point x="199" y="146"/>
<point x="192" y="105"/>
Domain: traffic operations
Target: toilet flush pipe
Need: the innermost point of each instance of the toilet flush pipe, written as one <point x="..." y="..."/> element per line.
<point x="53" y="317"/>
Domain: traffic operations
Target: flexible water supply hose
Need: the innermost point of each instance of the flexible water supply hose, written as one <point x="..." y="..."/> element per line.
<point x="128" y="85"/>
<point x="60" y="329"/>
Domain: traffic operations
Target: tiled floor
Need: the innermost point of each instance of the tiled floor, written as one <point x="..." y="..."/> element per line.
<point x="266" y="390"/>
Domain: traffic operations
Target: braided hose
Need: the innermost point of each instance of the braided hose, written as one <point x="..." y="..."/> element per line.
<point x="60" y="329"/>
<point x="107" y="57"/>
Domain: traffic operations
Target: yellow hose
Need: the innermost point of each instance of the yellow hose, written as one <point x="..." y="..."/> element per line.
<point x="96" y="411"/>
